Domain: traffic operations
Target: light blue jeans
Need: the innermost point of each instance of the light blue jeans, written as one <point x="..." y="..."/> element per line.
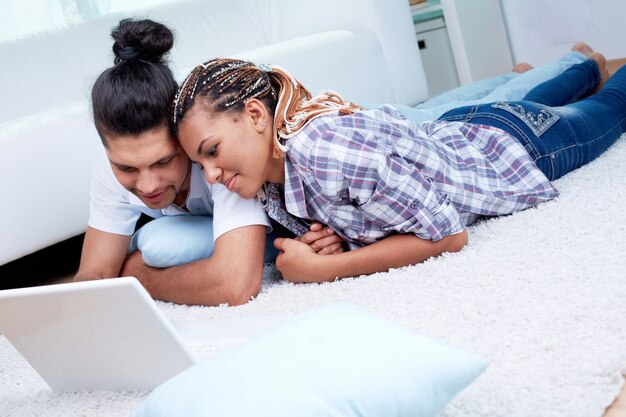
<point x="508" y="87"/>
<point x="176" y="240"/>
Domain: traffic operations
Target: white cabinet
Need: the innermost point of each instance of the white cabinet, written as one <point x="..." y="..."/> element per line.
<point x="461" y="41"/>
<point x="437" y="58"/>
<point x="478" y="38"/>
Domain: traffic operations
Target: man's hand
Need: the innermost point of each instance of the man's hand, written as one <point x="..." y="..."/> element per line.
<point x="102" y="256"/>
<point x="232" y="275"/>
<point x="296" y="260"/>
<point x="323" y="240"/>
<point x="134" y="266"/>
<point x="150" y="277"/>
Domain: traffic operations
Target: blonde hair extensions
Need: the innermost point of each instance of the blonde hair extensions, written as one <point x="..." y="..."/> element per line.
<point x="226" y="84"/>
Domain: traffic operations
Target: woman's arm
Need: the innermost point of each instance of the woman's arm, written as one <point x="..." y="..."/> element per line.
<point x="299" y="263"/>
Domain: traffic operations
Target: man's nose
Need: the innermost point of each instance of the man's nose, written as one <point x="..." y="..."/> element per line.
<point x="148" y="182"/>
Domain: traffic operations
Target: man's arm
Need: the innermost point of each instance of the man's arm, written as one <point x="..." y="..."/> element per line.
<point x="232" y="275"/>
<point x="299" y="263"/>
<point x="102" y="255"/>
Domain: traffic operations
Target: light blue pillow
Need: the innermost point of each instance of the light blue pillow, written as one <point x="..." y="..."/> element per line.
<point x="174" y="240"/>
<point x="177" y="240"/>
<point x="336" y="360"/>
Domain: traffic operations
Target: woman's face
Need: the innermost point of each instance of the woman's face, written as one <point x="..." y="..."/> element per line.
<point x="235" y="149"/>
<point x="151" y="165"/>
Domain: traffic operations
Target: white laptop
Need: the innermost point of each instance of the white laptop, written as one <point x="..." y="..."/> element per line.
<point x="109" y="335"/>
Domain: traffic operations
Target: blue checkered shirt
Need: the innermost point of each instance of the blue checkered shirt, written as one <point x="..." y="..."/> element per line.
<point x="374" y="173"/>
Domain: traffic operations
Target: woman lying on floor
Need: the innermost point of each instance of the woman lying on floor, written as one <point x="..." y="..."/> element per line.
<point x="398" y="192"/>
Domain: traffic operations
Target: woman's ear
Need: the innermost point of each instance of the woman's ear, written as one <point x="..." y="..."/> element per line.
<point x="276" y="152"/>
<point x="256" y="110"/>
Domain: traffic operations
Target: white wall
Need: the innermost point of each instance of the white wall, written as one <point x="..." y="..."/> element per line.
<point x="478" y="38"/>
<point x="543" y="30"/>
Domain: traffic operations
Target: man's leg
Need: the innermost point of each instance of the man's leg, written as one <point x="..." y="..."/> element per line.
<point x="473" y="91"/>
<point x="174" y="240"/>
<point x="510" y="87"/>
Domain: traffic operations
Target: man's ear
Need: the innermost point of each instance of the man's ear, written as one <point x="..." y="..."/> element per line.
<point x="256" y="110"/>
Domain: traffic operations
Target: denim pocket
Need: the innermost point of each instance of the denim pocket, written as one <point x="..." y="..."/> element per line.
<point x="538" y="122"/>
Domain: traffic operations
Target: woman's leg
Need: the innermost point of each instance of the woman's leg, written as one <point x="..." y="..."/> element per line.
<point x="518" y="87"/>
<point x="576" y="83"/>
<point x="559" y="139"/>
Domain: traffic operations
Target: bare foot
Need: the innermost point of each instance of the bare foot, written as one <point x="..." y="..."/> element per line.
<point x="522" y="67"/>
<point x="583" y="48"/>
<point x="604" y="73"/>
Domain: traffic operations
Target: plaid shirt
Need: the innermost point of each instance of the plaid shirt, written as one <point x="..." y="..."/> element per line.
<point x="374" y="173"/>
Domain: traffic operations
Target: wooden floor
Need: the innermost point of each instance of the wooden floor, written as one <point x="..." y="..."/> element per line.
<point x="613" y="65"/>
<point x="618" y="408"/>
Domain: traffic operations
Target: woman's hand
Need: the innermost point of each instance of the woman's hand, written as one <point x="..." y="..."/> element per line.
<point x="323" y="240"/>
<point x="296" y="260"/>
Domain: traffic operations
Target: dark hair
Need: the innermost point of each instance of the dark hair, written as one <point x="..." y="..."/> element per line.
<point x="225" y="84"/>
<point x="135" y="94"/>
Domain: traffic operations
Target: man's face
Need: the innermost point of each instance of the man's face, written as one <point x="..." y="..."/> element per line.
<point x="151" y="165"/>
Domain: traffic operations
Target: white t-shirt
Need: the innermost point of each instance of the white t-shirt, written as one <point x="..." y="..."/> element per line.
<point x="114" y="209"/>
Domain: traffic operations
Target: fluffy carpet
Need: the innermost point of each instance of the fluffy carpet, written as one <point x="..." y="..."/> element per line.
<point x="541" y="294"/>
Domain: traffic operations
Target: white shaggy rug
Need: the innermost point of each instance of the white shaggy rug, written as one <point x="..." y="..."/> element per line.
<point x="541" y="294"/>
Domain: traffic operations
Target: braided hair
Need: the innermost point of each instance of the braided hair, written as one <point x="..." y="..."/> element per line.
<point x="134" y="95"/>
<point x="225" y="85"/>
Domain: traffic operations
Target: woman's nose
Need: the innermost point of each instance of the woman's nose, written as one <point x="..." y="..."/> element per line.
<point x="213" y="174"/>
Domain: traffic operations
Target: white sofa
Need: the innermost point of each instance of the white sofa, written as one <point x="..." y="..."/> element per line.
<point x="364" y="49"/>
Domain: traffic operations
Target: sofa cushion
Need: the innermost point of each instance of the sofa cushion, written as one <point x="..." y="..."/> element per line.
<point x="320" y="62"/>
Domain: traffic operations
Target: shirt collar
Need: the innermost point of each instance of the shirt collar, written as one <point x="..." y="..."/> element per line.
<point x="197" y="182"/>
<point x="294" y="191"/>
<point x="197" y="187"/>
<point x="134" y="200"/>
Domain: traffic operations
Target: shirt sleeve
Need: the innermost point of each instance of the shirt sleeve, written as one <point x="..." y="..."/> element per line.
<point x="109" y="207"/>
<point x="389" y="191"/>
<point x="232" y="212"/>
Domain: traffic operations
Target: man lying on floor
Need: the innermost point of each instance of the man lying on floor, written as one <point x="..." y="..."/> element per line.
<point x="208" y="246"/>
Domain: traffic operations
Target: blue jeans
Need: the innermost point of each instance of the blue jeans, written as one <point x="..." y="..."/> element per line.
<point x="561" y="123"/>
<point x="508" y="87"/>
